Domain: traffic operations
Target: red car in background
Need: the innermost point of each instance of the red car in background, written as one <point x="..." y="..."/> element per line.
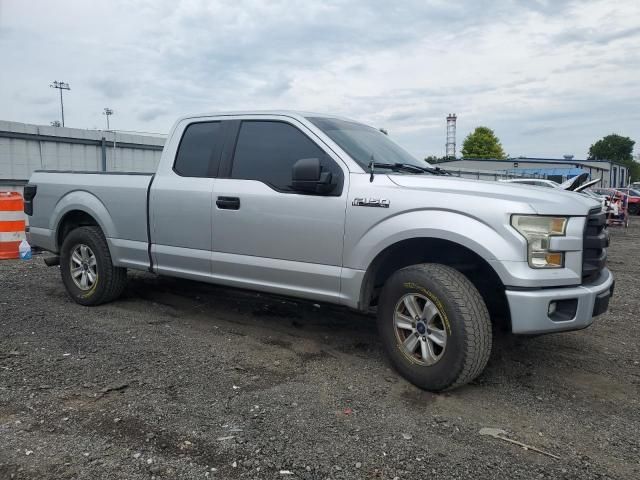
<point x="634" y="199"/>
<point x="632" y="194"/>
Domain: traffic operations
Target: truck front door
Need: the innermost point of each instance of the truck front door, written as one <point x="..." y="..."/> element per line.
<point x="267" y="236"/>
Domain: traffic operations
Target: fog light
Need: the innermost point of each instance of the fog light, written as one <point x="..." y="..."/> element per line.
<point x="554" y="259"/>
<point x="563" y="310"/>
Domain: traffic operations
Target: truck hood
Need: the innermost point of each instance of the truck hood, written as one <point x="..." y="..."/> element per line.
<point x="544" y="201"/>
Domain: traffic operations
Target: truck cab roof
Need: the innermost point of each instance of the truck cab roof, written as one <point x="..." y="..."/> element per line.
<point x="300" y="114"/>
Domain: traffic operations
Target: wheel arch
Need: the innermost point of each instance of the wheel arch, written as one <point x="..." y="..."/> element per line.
<point x="414" y="251"/>
<point x="72" y="220"/>
<point x="80" y="208"/>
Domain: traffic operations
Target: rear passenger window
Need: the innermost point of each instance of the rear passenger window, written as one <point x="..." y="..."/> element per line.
<point x="198" y="154"/>
<point x="266" y="151"/>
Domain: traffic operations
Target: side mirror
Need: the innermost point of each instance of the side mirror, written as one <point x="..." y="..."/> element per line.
<point x="307" y="176"/>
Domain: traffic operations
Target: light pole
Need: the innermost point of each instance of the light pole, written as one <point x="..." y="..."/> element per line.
<point x="61" y="86"/>
<point x="107" y="113"/>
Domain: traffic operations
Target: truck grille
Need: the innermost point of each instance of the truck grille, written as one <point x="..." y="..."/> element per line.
<point x="596" y="241"/>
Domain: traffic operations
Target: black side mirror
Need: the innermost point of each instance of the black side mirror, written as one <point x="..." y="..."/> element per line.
<point x="307" y="176"/>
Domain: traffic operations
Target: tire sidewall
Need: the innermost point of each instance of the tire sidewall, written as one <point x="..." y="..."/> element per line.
<point x="443" y="373"/>
<point x="93" y="295"/>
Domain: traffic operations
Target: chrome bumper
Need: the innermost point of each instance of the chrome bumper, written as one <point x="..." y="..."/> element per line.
<point x="532" y="311"/>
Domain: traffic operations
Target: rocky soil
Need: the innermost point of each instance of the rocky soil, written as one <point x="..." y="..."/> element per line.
<point x="185" y="380"/>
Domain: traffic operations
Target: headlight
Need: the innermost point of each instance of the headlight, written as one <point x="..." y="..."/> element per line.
<point x="538" y="230"/>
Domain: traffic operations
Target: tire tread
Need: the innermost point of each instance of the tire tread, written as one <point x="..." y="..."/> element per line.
<point x="114" y="278"/>
<point x="475" y="316"/>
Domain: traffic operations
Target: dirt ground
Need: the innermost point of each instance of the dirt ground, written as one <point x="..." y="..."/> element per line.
<point x="185" y="380"/>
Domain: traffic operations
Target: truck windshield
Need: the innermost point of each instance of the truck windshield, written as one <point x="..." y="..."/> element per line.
<point x="364" y="144"/>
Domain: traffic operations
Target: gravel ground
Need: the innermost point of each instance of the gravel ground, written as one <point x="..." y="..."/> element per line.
<point x="185" y="380"/>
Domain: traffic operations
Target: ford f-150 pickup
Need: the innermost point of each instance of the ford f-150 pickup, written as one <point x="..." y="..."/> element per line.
<point x="324" y="208"/>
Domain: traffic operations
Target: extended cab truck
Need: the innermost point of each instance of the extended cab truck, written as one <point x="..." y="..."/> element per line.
<point x="327" y="209"/>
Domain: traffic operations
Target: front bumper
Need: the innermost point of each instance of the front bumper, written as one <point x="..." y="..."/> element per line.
<point x="530" y="308"/>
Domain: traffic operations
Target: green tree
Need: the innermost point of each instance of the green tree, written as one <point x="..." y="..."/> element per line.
<point x="617" y="149"/>
<point x="612" y="147"/>
<point x="482" y="143"/>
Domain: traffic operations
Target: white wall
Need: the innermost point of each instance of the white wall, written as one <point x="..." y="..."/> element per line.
<point x="19" y="157"/>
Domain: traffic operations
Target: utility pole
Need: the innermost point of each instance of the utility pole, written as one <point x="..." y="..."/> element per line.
<point x="61" y="86"/>
<point x="107" y="113"/>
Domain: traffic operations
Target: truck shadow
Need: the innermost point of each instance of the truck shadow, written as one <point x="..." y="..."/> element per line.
<point x="207" y="305"/>
<point x="286" y="321"/>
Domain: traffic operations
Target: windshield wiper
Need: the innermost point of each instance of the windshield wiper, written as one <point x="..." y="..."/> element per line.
<point x="397" y="167"/>
<point x="407" y="167"/>
<point x="432" y="170"/>
<point x="435" y="170"/>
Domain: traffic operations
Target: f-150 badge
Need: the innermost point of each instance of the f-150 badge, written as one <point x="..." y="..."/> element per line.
<point x="371" y="202"/>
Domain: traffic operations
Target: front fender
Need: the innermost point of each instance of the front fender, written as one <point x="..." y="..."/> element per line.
<point x="465" y="230"/>
<point x="86" y="202"/>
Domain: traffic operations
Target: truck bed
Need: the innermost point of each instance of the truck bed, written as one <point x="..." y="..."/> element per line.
<point x="119" y="198"/>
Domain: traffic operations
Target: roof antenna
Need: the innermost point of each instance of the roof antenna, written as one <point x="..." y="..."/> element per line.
<point x="371" y="168"/>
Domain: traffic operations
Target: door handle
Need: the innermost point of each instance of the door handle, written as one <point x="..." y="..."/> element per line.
<point x="228" y="203"/>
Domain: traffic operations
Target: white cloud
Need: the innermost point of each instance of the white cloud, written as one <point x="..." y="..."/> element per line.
<point x="550" y="77"/>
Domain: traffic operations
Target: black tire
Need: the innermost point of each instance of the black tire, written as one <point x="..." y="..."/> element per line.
<point x="110" y="281"/>
<point x="634" y="209"/>
<point x="461" y="311"/>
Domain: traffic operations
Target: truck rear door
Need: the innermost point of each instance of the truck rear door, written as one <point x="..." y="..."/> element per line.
<point x="181" y="202"/>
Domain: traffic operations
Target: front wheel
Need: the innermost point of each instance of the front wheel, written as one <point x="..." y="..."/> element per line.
<point x="435" y="326"/>
<point x="87" y="271"/>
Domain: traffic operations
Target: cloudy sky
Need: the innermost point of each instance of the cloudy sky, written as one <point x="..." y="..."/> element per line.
<point x="550" y="77"/>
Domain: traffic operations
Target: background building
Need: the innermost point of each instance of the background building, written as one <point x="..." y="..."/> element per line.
<point x="558" y="169"/>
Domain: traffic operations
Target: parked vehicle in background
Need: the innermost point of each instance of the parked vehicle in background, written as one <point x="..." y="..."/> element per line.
<point x="538" y="182"/>
<point x="327" y="209"/>
<point x="634" y="199"/>
<point x="600" y="198"/>
<point x="577" y="184"/>
<point x="618" y="213"/>
<point x="617" y="207"/>
<point x="633" y="195"/>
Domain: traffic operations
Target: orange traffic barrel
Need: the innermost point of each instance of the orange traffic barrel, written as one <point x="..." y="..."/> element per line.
<point x="12" y="224"/>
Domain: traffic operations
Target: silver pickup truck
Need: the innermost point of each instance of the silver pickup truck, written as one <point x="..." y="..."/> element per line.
<point x="327" y="209"/>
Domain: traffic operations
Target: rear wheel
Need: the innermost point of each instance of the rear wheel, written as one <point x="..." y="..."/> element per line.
<point x="87" y="270"/>
<point x="634" y="208"/>
<point x="434" y="326"/>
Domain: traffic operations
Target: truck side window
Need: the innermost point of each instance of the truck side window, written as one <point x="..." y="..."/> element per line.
<point x="267" y="150"/>
<point x="198" y="155"/>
